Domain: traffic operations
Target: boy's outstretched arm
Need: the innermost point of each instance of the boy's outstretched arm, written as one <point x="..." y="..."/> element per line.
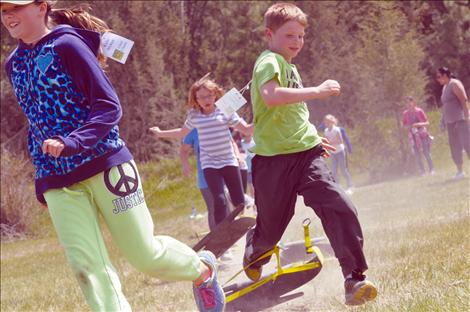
<point x="177" y="133"/>
<point x="274" y="95"/>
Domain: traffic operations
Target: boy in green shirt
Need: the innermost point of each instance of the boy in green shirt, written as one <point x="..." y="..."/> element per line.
<point x="289" y="161"/>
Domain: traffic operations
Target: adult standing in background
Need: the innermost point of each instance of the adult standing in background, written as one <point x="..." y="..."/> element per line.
<point x="455" y="117"/>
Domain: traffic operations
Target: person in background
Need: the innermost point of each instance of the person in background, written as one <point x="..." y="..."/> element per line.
<point x="346" y="141"/>
<point x="247" y="144"/>
<point x="217" y="154"/>
<point x="245" y="165"/>
<point x="344" y="136"/>
<point x="455" y="117"/>
<point x="338" y="157"/>
<point x="191" y="142"/>
<point x="416" y="122"/>
<point x="83" y="167"/>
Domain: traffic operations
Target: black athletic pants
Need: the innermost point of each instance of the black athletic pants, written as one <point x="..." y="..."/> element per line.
<point x="278" y="180"/>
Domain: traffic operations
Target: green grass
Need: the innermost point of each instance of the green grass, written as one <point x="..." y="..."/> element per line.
<point x="416" y="239"/>
<point x="417" y="243"/>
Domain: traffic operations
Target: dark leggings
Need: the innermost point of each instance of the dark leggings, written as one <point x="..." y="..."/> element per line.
<point x="215" y="179"/>
<point x="244" y="174"/>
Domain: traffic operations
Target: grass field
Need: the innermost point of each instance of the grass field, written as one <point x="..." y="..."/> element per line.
<point x="417" y="241"/>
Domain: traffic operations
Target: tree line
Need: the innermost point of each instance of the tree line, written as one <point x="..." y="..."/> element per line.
<point x="380" y="52"/>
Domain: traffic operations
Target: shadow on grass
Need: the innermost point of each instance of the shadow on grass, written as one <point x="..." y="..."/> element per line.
<point x="278" y="291"/>
<point x="270" y="294"/>
<point x="259" y="303"/>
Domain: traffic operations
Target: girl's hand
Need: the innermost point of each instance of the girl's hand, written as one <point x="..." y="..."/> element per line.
<point x="156" y="130"/>
<point x="326" y="145"/>
<point x="53" y="147"/>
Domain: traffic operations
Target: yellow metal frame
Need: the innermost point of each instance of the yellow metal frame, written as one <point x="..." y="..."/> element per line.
<point x="289" y="269"/>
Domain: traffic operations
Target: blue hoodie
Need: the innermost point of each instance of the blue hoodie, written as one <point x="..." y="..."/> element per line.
<point x="65" y="94"/>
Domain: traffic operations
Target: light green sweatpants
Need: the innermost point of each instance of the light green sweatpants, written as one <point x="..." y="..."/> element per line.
<point x="117" y="195"/>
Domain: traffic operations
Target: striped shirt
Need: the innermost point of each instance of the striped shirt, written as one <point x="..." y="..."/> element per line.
<point x="215" y="147"/>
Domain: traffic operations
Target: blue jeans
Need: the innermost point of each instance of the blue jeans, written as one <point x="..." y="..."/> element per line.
<point x="339" y="159"/>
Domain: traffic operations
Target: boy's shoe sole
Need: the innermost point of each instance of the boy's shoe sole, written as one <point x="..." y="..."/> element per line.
<point x="252" y="272"/>
<point x="361" y="293"/>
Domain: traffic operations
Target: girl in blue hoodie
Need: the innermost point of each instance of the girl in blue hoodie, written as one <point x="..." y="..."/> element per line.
<point x="83" y="167"/>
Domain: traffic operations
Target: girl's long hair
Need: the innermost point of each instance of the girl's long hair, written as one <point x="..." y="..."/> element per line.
<point x="79" y="17"/>
<point x="206" y="83"/>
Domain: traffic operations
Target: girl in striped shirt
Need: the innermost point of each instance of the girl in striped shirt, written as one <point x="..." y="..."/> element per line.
<point x="218" y="160"/>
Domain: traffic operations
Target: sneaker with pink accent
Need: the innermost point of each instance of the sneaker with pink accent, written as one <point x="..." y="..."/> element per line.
<point x="210" y="296"/>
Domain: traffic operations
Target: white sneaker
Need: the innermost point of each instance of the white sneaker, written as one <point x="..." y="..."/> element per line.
<point x="432" y="172"/>
<point x="349" y="191"/>
<point x="459" y="175"/>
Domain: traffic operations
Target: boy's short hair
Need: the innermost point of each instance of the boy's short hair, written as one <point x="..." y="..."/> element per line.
<point x="283" y="12"/>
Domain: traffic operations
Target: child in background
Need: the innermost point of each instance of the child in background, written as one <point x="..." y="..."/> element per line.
<point x="191" y="142"/>
<point x="289" y="161"/>
<point x="217" y="155"/>
<point x="83" y="167"/>
<point x="338" y="157"/>
<point x="245" y="166"/>
<point x="241" y="155"/>
<point x="247" y="143"/>
<point x="415" y="121"/>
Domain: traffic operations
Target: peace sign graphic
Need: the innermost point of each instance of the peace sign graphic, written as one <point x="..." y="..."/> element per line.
<point x="125" y="184"/>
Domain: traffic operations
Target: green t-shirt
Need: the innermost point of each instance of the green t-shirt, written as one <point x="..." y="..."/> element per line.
<point x="281" y="129"/>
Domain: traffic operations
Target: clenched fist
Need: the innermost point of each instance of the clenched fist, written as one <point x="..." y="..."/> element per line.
<point x="53" y="147"/>
<point x="329" y="88"/>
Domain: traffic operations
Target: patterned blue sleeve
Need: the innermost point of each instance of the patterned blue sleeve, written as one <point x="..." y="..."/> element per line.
<point x="84" y="70"/>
